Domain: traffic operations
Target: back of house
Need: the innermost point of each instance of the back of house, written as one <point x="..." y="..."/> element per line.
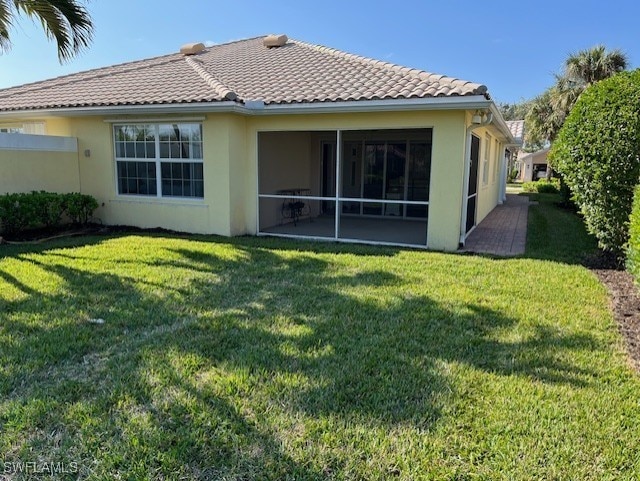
<point x="264" y="136"/>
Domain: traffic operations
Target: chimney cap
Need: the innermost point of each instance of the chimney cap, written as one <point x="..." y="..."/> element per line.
<point x="191" y="48"/>
<point x="271" y="41"/>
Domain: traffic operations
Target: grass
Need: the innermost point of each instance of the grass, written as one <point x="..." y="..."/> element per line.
<point x="266" y="359"/>
<point x="514" y="187"/>
<point x="557" y="233"/>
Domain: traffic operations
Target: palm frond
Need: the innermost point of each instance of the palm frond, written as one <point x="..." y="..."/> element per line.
<point x="595" y="64"/>
<point x="5" y="24"/>
<point x="65" y="21"/>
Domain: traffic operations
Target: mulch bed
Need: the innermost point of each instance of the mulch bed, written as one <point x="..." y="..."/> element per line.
<point x="625" y="301"/>
<point x="37" y="236"/>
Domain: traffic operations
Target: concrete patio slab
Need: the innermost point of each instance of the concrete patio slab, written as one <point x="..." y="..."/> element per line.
<point x="504" y="231"/>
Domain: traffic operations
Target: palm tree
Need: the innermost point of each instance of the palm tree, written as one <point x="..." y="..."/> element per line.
<point x="582" y="69"/>
<point x="65" y="21"/>
<point x="586" y="67"/>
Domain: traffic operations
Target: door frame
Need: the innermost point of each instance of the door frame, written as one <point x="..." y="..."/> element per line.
<point x="473" y="196"/>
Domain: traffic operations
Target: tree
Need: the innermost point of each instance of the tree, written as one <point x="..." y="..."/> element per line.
<point x="542" y="121"/>
<point x="598" y="154"/>
<point x="65" y="21"/>
<point x="582" y="69"/>
<point x="516" y="111"/>
<point x="587" y="67"/>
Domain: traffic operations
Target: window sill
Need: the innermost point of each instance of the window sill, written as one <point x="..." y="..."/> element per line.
<point x="176" y="201"/>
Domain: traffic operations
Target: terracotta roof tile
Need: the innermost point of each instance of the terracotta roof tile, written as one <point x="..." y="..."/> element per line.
<point x="517" y="128"/>
<point x="297" y="72"/>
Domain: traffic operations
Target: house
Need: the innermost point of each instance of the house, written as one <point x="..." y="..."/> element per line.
<point x="265" y="136"/>
<point x="532" y="166"/>
<point x="529" y="166"/>
<point x="516" y="127"/>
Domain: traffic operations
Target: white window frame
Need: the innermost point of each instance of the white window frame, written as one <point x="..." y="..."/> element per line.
<point x="486" y="158"/>
<point x="496" y="161"/>
<point x="157" y="160"/>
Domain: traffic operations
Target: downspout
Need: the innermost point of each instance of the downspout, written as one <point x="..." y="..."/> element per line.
<point x="467" y="170"/>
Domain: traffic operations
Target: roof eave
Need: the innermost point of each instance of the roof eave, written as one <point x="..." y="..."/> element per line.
<point x="429" y="103"/>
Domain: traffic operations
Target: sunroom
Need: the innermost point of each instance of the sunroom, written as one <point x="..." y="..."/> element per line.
<point x="369" y="186"/>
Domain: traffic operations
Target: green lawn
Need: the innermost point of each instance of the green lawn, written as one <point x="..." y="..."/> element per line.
<point x="263" y="359"/>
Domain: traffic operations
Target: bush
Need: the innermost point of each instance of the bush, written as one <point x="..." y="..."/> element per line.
<point x="19" y="212"/>
<point x="49" y="208"/>
<point x="633" y="250"/>
<point x="566" y="197"/>
<point x="598" y="153"/>
<point x="79" y="207"/>
<point x="542" y="187"/>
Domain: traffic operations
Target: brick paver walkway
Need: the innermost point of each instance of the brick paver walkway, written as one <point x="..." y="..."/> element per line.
<point x="504" y="231"/>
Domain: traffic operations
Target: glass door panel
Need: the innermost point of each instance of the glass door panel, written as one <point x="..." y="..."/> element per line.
<point x="395" y="175"/>
<point x="351" y="180"/>
<point x="328" y="177"/>
<point x="372" y="185"/>
<point x="419" y="177"/>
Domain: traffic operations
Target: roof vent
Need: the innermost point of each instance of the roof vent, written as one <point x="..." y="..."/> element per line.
<point x="271" y="41"/>
<point x="191" y="48"/>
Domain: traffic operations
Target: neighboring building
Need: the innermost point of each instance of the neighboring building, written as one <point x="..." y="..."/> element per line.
<point x="532" y="166"/>
<point x="516" y="127"/>
<point x="265" y="136"/>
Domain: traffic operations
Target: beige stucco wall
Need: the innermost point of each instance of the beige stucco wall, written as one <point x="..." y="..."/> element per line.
<point x="230" y="152"/>
<point x="488" y="194"/>
<point x="222" y="150"/>
<point x="27" y="170"/>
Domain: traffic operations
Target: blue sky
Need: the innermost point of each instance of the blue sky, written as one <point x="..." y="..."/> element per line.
<point x="512" y="47"/>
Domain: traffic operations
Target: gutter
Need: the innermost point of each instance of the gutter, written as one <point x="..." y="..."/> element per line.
<point x="257" y="107"/>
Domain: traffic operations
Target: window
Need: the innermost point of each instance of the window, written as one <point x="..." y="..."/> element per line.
<point x="496" y="161"/>
<point x="485" y="160"/>
<point x="34" y="128"/>
<point x="162" y="160"/>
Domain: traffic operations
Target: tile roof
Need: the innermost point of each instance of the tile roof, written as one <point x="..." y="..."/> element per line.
<point x="297" y="72"/>
<point x="516" y="127"/>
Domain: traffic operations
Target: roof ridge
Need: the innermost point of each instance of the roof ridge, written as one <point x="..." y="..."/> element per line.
<point x="414" y="72"/>
<point x="92" y="74"/>
<point x="218" y="87"/>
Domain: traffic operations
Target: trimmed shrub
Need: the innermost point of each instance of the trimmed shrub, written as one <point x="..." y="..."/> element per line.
<point x="633" y="250"/>
<point x="79" y="207"/>
<point x="49" y="208"/>
<point x="542" y="187"/>
<point x="598" y="154"/>
<point x="19" y="212"/>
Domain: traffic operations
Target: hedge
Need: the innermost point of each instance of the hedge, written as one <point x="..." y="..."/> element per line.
<point x="598" y="153"/>
<point x="633" y="251"/>
<point x="542" y="186"/>
<point x="19" y="212"/>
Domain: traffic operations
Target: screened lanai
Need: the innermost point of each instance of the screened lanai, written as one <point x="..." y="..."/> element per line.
<point x="374" y="188"/>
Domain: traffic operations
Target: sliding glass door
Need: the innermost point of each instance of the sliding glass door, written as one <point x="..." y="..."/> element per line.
<point x="389" y="171"/>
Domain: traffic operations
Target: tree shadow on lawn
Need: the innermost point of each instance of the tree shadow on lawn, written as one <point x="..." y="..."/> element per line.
<point x="342" y="348"/>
